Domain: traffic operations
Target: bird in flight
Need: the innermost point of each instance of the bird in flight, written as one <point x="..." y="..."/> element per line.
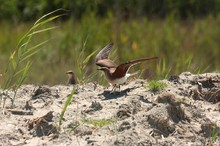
<point x="115" y="74"/>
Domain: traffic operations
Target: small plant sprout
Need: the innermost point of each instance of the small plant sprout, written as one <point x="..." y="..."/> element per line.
<point x="68" y="100"/>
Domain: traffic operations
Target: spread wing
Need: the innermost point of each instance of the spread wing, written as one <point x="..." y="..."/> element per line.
<point x="102" y="57"/>
<point x="103" y="54"/>
<point x="122" y="69"/>
<point x="106" y="63"/>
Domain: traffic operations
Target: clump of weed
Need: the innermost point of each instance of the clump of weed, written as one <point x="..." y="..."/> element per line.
<point x="214" y="134"/>
<point x="155" y="85"/>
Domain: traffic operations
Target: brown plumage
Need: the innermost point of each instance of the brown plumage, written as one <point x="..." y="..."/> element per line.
<point x="72" y="78"/>
<point x="122" y="69"/>
<point x="119" y="75"/>
<point x="116" y="75"/>
<point x="102" y="57"/>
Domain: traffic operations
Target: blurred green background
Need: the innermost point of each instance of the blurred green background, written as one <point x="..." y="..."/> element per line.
<point x="185" y="34"/>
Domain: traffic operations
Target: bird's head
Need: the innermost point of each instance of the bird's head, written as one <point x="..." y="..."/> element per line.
<point x="103" y="69"/>
<point x="70" y="73"/>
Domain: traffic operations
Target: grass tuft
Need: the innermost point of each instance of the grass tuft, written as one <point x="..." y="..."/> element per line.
<point x="214" y="134"/>
<point x="155" y="85"/>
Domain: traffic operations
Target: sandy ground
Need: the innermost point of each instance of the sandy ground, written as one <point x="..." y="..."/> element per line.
<point x="186" y="112"/>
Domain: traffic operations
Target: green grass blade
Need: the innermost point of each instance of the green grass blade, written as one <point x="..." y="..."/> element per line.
<point x="45" y="21"/>
<point x="20" y="50"/>
<point x="83" y="48"/>
<point x="18" y="72"/>
<point x="24" y="44"/>
<point x="29" y="55"/>
<point x="88" y="57"/>
<point x="22" y="78"/>
<point x="38" y="23"/>
<point x="42" y="30"/>
<point x="69" y="98"/>
<point x="34" y="47"/>
<point x="48" y="14"/>
<point x="14" y="64"/>
<point x="12" y="55"/>
<point x="22" y="39"/>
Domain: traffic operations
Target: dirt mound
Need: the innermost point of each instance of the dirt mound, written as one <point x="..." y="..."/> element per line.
<point x="185" y="112"/>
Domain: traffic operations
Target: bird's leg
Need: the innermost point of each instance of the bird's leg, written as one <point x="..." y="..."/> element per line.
<point x="117" y="86"/>
<point x="113" y="89"/>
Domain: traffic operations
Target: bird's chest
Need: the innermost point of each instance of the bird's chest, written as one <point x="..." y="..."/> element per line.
<point x="121" y="80"/>
<point x="114" y="81"/>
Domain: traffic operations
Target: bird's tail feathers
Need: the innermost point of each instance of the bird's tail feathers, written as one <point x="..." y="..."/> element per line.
<point x="134" y="62"/>
<point x="133" y="74"/>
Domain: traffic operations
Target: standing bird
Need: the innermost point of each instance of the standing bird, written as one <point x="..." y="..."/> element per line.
<point x="116" y="75"/>
<point x="72" y="78"/>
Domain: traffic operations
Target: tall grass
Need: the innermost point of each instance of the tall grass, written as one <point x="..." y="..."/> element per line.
<point x="20" y="59"/>
<point x="84" y="73"/>
<point x="190" y="45"/>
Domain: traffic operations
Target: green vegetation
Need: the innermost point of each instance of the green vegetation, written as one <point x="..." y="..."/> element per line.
<point x="181" y="45"/>
<point x="156" y="85"/>
<point x="84" y="74"/>
<point x="20" y="59"/>
<point x="213" y="134"/>
<point x="82" y="70"/>
<point x="68" y="100"/>
<point x="98" y="123"/>
<point x="184" y="34"/>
